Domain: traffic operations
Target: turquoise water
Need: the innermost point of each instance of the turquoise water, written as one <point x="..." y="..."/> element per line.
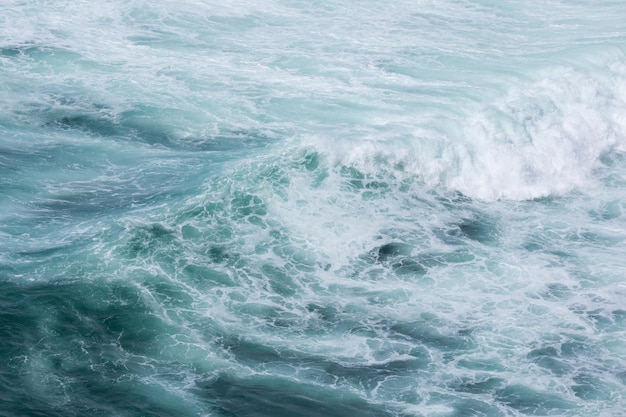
<point x="296" y="208"/>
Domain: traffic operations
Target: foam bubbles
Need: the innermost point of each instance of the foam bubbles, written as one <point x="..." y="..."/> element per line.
<point x="543" y="137"/>
<point x="406" y="209"/>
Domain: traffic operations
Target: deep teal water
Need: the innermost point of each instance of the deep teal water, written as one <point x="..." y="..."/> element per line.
<point x="296" y="208"/>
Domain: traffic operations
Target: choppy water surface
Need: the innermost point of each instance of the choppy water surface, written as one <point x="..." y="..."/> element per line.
<point x="295" y="208"/>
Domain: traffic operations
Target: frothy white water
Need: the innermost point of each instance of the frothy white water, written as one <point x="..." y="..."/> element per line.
<point x="390" y="209"/>
<point x="543" y="137"/>
<point x="494" y="102"/>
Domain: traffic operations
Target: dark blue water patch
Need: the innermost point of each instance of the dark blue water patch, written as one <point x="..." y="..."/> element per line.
<point x="326" y="313"/>
<point x="89" y="395"/>
<point x="467" y="406"/>
<point x="204" y="277"/>
<point x="17" y="330"/>
<point x="244" y="204"/>
<point x="18" y="160"/>
<point x="553" y="201"/>
<point x="121" y="313"/>
<point x="451" y="199"/>
<point x="389" y="251"/>
<point x="561" y="257"/>
<point x="320" y="369"/>
<point x="592" y="388"/>
<point x="397" y="255"/>
<point x="280" y="281"/>
<point x="409" y="267"/>
<point x="427" y="333"/>
<point x="46" y="251"/>
<point x="488" y="365"/>
<point x="36" y="52"/>
<point x="140" y="332"/>
<point x="480" y="228"/>
<point x="80" y="186"/>
<point x="93" y="124"/>
<point x="311" y="160"/>
<point x="435" y="259"/>
<point x="254" y="353"/>
<point x="603" y="320"/>
<point x="347" y="320"/>
<point x="611" y="173"/>
<point x="221" y="254"/>
<point x="477" y="227"/>
<point x="10" y="154"/>
<point x="608" y="211"/>
<point x="40" y="53"/>
<point x="576" y="347"/>
<point x="550" y="359"/>
<point x="541" y="242"/>
<point x="159" y="35"/>
<point x="145" y="240"/>
<point x="354" y="179"/>
<point x="143" y="123"/>
<point x="316" y="165"/>
<point x="370" y="375"/>
<point x="613" y="158"/>
<point x="481" y="386"/>
<point x="532" y="246"/>
<point x="169" y="294"/>
<point x="532" y="402"/>
<point x="370" y="186"/>
<point x="621" y="376"/>
<point x="591" y="238"/>
<point x="12" y="51"/>
<point x="557" y="291"/>
<point x="86" y="347"/>
<point x="228" y="141"/>
<point x="556" y="255"/>
<point x="619" y="318"/>
<point x="261" y="396"/>
<point x="223" y="215"/>
<point x="45" y="258"/>
<point x="80" y="205"/>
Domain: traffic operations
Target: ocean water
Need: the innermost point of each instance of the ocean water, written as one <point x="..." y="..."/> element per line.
<point x="312" y="208"/>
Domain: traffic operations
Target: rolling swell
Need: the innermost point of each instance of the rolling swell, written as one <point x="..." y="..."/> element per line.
<point x="297" y="208"/>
